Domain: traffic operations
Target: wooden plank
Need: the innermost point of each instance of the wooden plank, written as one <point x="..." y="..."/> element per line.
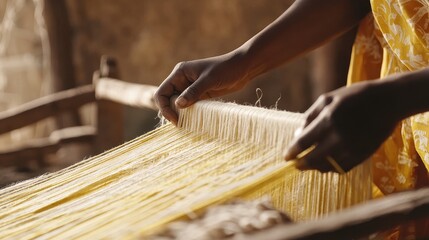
<point x="73" y="134"/>
<point x="45" y="107"/>
<point x="130" y="94"/>
<point x="358" y="221"/>
<point x="136" y="95"/>
<point x="37" y="148"/>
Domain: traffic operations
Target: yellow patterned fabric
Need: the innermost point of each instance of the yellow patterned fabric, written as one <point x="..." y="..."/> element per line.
<point x="395" y="39"/>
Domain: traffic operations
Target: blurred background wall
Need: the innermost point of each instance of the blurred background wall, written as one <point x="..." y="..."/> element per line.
<point x="147" y="37"/>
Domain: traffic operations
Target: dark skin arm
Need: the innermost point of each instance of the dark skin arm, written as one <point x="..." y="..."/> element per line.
<point x="306" y="25"/>
<point x="350" y="123"/>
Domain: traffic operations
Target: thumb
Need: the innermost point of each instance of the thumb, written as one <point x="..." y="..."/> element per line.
<point x="192" y="94"/>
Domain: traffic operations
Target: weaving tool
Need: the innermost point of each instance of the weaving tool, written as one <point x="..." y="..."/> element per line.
<point x="220" y="151"/>
<point x="330" y="160"/>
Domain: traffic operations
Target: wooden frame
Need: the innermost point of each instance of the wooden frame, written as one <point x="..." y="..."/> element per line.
<point x="44" y="107"/>
<point x="108" y="93"/>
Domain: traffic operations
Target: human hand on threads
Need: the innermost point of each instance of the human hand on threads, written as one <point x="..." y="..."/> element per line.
<point x="200" y="79"/>
<point x="348" y="125"/>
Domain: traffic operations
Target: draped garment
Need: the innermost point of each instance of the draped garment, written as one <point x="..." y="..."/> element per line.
<point x="395" y="39"/>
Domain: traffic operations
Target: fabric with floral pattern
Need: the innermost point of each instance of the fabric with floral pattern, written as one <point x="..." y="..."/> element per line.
<point x="395" y="39"/>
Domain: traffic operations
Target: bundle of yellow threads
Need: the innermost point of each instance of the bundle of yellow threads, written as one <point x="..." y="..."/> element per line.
<point x="220" y="151"/>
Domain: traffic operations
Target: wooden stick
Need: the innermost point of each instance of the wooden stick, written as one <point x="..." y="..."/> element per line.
<point x="45" y="107"/>
<point x="38" y="147"/>
<point x="358" y="221"/>
<point x="130" y="94"/>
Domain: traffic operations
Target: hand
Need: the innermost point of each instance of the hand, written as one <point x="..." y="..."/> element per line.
<point x="348" y="124"/>
<point x="201" y="79"/>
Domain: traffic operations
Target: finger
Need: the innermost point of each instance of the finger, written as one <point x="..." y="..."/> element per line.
<point x="214" y="93"/>
<point x="318" y="158"/>
<point x="316" y="108"/>
<point x="166" y="110"/>
<point x="162" y="100"/>
<point x="172" y="85"/>
<point x="193" y="93"/>
<point x="311" y="135"/>
<point x="347" y="161"/>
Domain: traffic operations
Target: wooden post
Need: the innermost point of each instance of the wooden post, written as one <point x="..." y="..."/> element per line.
<point x="110" y="115"/>
<point x="60" y="42"/>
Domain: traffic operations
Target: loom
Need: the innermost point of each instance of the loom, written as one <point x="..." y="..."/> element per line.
<point x="219" y="152"/>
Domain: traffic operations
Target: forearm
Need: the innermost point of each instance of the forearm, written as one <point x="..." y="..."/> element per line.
<point x="407" y="93"/>
<point x="306" y="25"/>
<point x="413" y="89"/>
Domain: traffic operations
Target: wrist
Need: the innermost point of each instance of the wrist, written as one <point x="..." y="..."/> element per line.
<point x="406" y="94"/>
<point x="258" y="59"/>
<point x="243" y="62"/>
<point x="412" y="90"/>
<point x="387" y="98"/>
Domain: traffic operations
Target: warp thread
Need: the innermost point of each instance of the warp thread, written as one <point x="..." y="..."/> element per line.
<point x="221" y="151"/>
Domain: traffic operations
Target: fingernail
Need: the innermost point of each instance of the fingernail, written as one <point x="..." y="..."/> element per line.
<point x="181" y="102"/>
<point x="287" y="155"/>
<point x="301" y="165"/>
<point x="297" y="132"/>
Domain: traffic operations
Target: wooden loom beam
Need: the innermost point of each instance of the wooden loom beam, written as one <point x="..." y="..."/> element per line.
<point x="107" y="89"/>
<point x="45" y="107"/>
<point x="109" y="93"/>
<point x="359" y="221"/>
<point x="128" y="94"/>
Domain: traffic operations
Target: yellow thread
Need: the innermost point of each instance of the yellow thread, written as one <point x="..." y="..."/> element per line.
<point x="221" y="151"/>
